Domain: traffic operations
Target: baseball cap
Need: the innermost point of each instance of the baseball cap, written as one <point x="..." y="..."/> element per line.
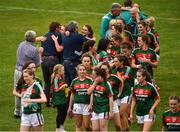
<point x="115" y="6"/>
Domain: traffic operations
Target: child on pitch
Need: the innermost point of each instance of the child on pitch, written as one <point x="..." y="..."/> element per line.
<point x="171" y="117"/>
<point x="59" y="97"/>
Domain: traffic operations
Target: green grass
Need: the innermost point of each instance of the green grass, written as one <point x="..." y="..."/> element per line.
<point x="14" y="22"/>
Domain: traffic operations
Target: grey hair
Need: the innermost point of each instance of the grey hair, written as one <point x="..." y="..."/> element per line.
<point x="30" y="35"/>
<point x="72" y="26"/>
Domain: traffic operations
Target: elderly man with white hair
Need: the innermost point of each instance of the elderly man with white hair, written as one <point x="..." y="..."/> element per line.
<point x="26" y="51"/>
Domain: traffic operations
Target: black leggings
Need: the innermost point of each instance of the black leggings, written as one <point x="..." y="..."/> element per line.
<point x="61" y="115"/>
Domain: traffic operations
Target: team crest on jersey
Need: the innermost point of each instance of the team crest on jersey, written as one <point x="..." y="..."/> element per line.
<point x="173" y="119"/>
<point x="100" y="88"/>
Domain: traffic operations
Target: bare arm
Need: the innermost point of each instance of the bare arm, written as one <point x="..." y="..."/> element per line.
<point x="157" y="47"/>
<point x="42" y="99"/>
<point x="91" y="89"/>
<point x="133" y="104"/>
<point x="70" y="101"/>
<point x="15" y="93"/>
<point x="41" y="39"/>
<point x="59" y="48"/>
<point x="157" y="100"/>
<point x="111" y="107"/>
<point x="133" y="64"/>
<point x="121" y="87"/>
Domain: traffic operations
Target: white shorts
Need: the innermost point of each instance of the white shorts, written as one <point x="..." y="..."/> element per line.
<point x="98" y="116"/>
<point x="115" y="107"/>
<point x="145" y="118"/>
<point x="81" y="109"/>
<point x="33" y="120"/>
<point x="124" y="100"/>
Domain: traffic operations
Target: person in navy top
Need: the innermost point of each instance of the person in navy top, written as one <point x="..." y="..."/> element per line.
<point x="72" y="44"/>
<point x="52" y="54"/>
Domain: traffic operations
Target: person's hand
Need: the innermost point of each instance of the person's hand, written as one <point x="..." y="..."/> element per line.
<point x="89" y="108"/>
<point x="70" y="113"/>
<point x="110" y="115"/>
<point x="151" y="114"/>
<point x="131" y="118"/>
<point x="54" y="38"/>
<point x="98" y="79"/>
<point x="26" y="102"/>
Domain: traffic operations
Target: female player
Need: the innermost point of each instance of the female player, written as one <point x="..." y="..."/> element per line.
<point x="32" y="97"/>
<point x="117" y="85"/>
<point x="81" y="106"/>
<point x="123" y="70"/>
<point x="87" y="62"/>
<point x="60" y="92"/>
<point x="171" y="117"/>
<point x="102" y="100"/>
<point x="146" y="98"/>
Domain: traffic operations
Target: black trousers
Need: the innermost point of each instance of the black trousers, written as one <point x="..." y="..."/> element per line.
<point x="61" y="114"/>
<point x="47" y="68"/>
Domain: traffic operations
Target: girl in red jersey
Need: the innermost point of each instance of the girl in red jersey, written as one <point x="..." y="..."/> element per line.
<point x="87" y="62"/>
<point x="146" y="98"/>
<point x="32" y="96"/>
<point x="81" y="106"/>
<point x="59" y="95"/>
<point x="171" y="117"/>
<point x="102" y="100"/>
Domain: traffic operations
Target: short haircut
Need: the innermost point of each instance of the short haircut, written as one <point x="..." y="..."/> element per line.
<point x="53" y="26"/>
<point x="30" y="36"/>
<point x="72" y="26"/>
<point x="127" y="3"/>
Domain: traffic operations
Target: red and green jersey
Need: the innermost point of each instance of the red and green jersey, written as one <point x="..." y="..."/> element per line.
<point x="156" y="35"/>
<point x="114" y="51"/>
<point x="115" y="85"/>
<point x="60" y="96"/>
<point x="149" y="54"/>
<point x="79" y="88"/>
<point x="21" y="84"/>
<point x="101" y="95"/>
<point x="151" y="40"/>
<point x="94" y="60"/>
<point x="128" y="37"/>
<point x="125" y="72"/>
<point x="171" y="121"/>
<point x="145" y="97"/>
<point x="89" y="72"/>
<point x="103" y="56"/>
<point x="34" y="94"/>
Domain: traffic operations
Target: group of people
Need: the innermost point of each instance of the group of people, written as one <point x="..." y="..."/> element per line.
<point x="93" y="85"/>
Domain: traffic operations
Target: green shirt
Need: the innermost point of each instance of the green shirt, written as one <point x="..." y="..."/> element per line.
<point x="145" y="96"/>
<point x="115" y="84"/>
<point x="60" y="96"/>
<point x="89" y="72"/>
<point x="79" y="88"/>
<point x="103" y="56"/>
<point x="149" y="54"/>
<point x="34" y="94"/>
<point x="101" y="95"/>
<point x="171" y="121"/>
<point x="127" y="73"/>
